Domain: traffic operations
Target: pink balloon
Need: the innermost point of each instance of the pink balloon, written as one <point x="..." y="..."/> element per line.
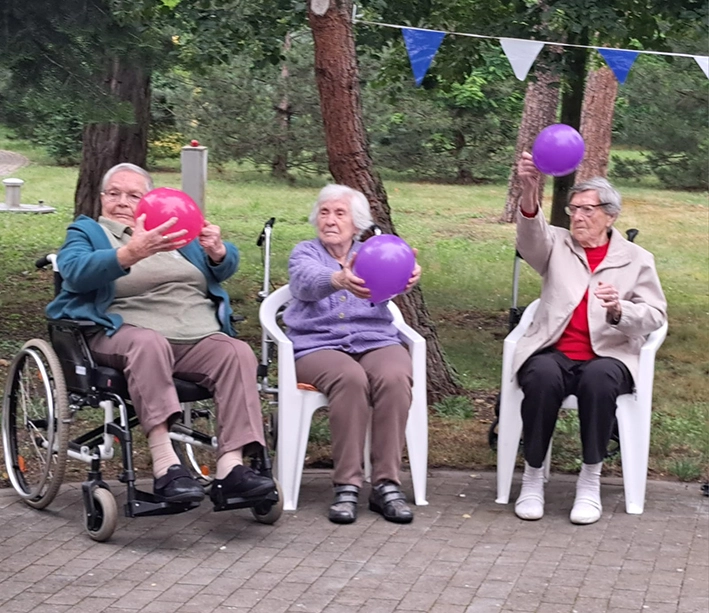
<point x="386" y="263"/>
<point x="558" y="150"/>
<point x="163" y="203"/>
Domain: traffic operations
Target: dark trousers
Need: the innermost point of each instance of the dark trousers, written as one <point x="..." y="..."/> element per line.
<point x="547" y="378"/>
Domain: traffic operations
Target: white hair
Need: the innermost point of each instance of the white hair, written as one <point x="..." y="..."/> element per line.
<point x="607" y="194"/>
<point x="127" y="166"/>
<point x="359" y="207"/>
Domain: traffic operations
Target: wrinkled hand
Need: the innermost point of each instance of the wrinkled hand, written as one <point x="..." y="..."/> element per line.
<point x="527" y="172"/>
<point x="529" y="177"/>
<point x="210" y="237"/>
<point x="346" y="279"/>
<point x="610" y="300"/>
<point x="415" y="275"/>
<point x="144" y="243"/>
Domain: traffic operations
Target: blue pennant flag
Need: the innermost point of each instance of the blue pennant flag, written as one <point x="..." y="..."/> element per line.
<point x="421" y="46"/>
<point x="620" y="61"/>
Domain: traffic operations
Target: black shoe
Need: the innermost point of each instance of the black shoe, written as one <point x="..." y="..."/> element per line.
<point x="177" y="485"/>
<point x="388" y="500"/>
<point x="343" y="509"/>
<point x="241" y="482"/>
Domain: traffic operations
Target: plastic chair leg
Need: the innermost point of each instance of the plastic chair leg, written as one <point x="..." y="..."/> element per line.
<point x="634" y="430"/>
<point x="509" y="432"/>
<point x="294" y="420"/>
<point x="417" y="447"/>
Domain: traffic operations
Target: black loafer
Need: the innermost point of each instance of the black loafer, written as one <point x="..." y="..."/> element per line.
<point x="388" y="500"/>
<point x="343" y="509"/>
<point x="177" y="485"/>
<point x="241" y="482"/>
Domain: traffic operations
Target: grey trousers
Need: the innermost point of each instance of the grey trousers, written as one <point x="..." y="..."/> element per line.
<point x="223" y="365"/>
<point x="380" y="379"/>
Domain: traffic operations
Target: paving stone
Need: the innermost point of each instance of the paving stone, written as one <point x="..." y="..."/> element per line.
<point x="205" y="562"/>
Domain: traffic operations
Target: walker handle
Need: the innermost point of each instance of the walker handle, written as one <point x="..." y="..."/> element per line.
<point x="262" y="236"/>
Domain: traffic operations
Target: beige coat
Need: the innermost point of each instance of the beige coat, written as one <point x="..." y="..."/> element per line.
<point x="566" y="277"/>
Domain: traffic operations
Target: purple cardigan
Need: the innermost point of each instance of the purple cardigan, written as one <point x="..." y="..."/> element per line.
<point x="320" y="317"/>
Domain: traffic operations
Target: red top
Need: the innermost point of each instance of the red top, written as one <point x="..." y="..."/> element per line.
<point x="575" y="342"/>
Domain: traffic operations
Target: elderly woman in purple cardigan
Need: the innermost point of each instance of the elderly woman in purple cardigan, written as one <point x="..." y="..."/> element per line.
<point x="349" y="349"/>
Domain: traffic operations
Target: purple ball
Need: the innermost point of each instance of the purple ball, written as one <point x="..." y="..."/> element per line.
<point x="558" y="150"/>
<point x="386" y="263"/>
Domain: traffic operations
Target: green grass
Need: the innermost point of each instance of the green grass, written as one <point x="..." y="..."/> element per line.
<point x="467" y="258"/>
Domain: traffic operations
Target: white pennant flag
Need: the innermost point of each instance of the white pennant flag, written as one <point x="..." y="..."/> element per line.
<point x="521" y="54"/>
<point x="703" y="62"/>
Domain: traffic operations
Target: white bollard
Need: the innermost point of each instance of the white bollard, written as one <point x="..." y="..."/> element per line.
<point x="13" y="187"/>
<point x="13" y="204"/>
<point x="194" y="172"/>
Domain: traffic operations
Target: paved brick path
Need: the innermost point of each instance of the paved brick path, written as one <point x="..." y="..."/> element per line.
<point x="10" y="162"/>
<point x="463" y="553"/>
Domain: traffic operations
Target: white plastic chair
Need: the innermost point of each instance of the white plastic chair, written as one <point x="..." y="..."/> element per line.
<point x="633" y="413"/>
<point x="297" y="405"/>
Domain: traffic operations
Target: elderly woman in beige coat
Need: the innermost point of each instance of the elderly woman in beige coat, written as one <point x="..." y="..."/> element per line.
<point x="601" y="297"/>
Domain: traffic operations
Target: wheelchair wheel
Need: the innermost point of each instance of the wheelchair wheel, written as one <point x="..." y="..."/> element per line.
<point x="103" y="525"/>
<point x="199" y="458"/>
<point x="269" y="513"/>
<point x="35" y="423"/>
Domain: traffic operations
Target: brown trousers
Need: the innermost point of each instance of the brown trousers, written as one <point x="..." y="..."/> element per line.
<point x="223" y="365"/>
<point x="380" y="379"/>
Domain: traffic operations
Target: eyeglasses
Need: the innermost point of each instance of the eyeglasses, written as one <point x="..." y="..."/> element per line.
<point x="113" y="195"/>
<point x="585" y="209"/>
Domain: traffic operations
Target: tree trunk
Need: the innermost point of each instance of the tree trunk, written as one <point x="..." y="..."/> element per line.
<point x="108" y="144"/>
<point x="541" y="101"/>
<point x="597" y="122"/>
<point x="350" y="163"/>
<point x="279" y="165"/>
<point x="571" y="103"/>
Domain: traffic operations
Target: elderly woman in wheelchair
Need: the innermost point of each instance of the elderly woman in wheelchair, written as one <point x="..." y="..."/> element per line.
<point x="161" y="318"/>
<point x="601" y="296"/>
<point x="348" y="349"/>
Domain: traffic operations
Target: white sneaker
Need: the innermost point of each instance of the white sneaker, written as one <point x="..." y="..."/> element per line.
<point x="530" y="503"/>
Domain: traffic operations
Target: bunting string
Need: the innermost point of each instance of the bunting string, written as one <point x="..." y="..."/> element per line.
<point x="422" y="45"/>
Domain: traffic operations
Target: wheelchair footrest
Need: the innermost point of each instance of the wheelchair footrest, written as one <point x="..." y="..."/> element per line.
<point x="146" y="504"/>
<point x="237" y="502"/>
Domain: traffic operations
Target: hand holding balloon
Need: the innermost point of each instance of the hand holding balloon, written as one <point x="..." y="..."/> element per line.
<point x="144" y="243"/>
<point x="347" y="279"/>
<point x="210" y="238"/>
<point x="415" y="275"/>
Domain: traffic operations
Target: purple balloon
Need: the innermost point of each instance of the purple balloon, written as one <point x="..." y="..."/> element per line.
<point x="386" y="263"/>
<point x="558" y="150"/>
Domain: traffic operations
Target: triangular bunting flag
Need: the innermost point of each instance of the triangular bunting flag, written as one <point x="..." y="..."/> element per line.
<point x="703" y="62"/>
<point x="619" y="61"/>
<point x="421" y="46"/>
<point x="521" y="54"/>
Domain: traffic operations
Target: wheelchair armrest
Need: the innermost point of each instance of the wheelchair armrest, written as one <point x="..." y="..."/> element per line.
<point x="68" y="338"/>
<point x="85" y="325"/>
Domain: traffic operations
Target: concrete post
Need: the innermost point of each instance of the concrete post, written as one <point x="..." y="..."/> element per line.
<point x="194" y="172"/>
<point x="13" y="187"/>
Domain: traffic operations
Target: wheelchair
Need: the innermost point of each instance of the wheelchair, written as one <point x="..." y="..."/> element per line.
<point x="49" y="383"/>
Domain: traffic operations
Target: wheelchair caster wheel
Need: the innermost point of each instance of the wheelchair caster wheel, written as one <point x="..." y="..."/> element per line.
<point x="269" y="512"/>
<point x="103" y="524"/>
